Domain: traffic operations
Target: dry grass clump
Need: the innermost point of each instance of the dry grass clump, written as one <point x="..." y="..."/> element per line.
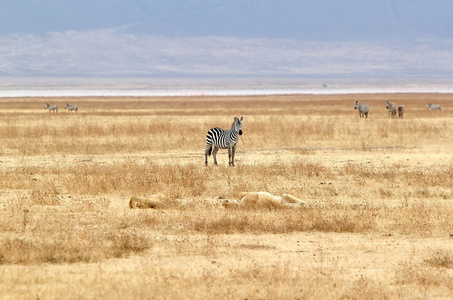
<point x="147" y="177"/>
<point x="66" y="235"/>
<point x="441" y="259"/>
<point x="278" y="219"/>
<point x="71" y="247"/>
<point x="424" y="277"/>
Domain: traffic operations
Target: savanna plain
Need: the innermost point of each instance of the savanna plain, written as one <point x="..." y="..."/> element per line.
<point x="377" y="222"/>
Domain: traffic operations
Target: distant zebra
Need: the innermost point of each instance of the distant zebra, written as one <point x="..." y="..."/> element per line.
<point x="363" y="109"/>
<point x="433" y="106"/>
<point x="392" y="108"/>
<point x="71" y="107"/>
<point x="51" y="108"/>
<point x="400" y="111"/>
<point x="219" y="138"/>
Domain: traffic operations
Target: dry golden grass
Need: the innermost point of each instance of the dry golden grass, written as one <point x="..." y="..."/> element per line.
<point x="377" y="222"/>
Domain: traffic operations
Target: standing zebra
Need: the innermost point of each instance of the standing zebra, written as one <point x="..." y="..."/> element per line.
<point x="392" y="108"/>
<point x="433" y="106"/>
<point x="363" y="109"/>
<point x="400" y="111"/>
<point x="71" y="107"/>
<point x="51" y="108"/>
<point x="222" y="139"/>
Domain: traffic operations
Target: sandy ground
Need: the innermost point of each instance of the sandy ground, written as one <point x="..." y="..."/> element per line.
<point x="416" y="157"/>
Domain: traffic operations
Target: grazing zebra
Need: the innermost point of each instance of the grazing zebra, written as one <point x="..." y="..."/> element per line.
<point x="392" y="108"/>
<point x="71" y="107"/>
<point x="222" y="139"/>
<point x="400" y="111"/>
<point x="51" y="108"/>
<point x="363" y="109"/>
<point x="433" y="106"/>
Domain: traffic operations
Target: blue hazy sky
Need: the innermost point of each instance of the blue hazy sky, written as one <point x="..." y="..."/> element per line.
<point x="293" y="19"/>
<point x="226" y="38"/>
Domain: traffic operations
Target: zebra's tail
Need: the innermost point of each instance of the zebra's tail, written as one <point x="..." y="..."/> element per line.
<point x="210" y="150"/>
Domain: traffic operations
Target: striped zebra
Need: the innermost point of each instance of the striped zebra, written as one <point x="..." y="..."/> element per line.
<point x="392" y="108"/>
<point x="400" y="111"/>
<point x="219" y="138"/>
<point x="71" y="107"/>
<point x="51" y="108"/>
<point x="433" y="106"/>
<point x="363" y="109"/>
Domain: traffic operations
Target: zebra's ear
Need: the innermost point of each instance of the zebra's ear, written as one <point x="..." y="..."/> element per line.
<point x="242" y="118"/>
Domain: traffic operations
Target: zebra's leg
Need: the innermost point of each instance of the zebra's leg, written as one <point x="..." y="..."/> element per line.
<point x="214" y="154"/>
<point x="207" y="153"/>
<point x="233" y="152"/>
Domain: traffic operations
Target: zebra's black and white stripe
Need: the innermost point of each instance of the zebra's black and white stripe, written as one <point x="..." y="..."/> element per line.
<point x="363" y="109"/>
<point x="392" y="108"/>
<point x="219" y="138"/>
<point x="433" y="106"/>
<point x="51" y="108"/>
<point x="71" y="107"/>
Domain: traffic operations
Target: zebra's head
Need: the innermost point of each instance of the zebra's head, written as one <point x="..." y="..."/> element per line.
<point x="237" y="125"/>
<point x="356" y="105"/>
<point x="388" y="105"/>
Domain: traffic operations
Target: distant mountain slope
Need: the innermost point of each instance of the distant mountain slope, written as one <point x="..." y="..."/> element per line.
<point x="112" y="53"/>
<point x="388" y="38"/>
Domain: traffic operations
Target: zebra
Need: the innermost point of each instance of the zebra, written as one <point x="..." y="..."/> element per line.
<point x="219" y="138"/>
<point x="71" y="107"/>
<point x="400" y="111"/>
<point x="363" y="109"/>
<point x="51" y="108"/>
<point x="392" y="108"/>
<point x="433" y="106"/>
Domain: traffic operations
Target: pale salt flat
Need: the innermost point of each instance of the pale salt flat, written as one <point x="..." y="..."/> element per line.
<point x="15" y="93"/>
